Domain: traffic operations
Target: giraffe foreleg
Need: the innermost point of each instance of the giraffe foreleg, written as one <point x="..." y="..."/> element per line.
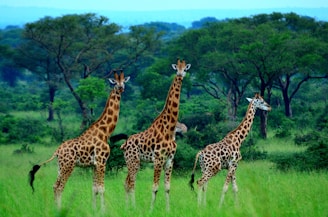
<point x="158" y="166"/>
<point x="230" y="178"/>
<point x="167" y="180"/>
<point x="98" y="185"/>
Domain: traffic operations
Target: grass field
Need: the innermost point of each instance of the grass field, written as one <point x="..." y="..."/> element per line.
<point x="263" y="191"/>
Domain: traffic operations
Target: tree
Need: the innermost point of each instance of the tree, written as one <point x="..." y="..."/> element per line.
<point x="71" y="47"/>
<point x="305" y="63"/>
<point x="213" y="51"/>
<point x="9" y="38"/>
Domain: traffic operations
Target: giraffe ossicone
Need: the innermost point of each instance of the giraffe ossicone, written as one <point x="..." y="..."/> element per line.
<point x="225" y="154"/>
<point x="157" y="143"/>
<point x="90" y="148"/>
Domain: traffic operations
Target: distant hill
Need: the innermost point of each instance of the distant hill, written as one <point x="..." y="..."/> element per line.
<point x="21" y="15"/>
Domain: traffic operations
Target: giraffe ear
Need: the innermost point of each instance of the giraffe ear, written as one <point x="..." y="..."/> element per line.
<point x="112" y="81"/>
<point x="188" y="67"/>
<point x="126" y="79"/>
<point x="249" y="99"/>
<point x="174" y="66"/>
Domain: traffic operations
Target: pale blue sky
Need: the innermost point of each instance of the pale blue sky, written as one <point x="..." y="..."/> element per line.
<point x="140" y="5"/>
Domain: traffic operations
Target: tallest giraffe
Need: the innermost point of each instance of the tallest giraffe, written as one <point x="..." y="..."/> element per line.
<point x="157" y="143"/>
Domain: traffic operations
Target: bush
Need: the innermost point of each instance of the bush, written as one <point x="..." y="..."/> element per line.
<point x="250" y="151"/>
<point x="184" y="157"/>
<point x="304" y="139"/>
<point x="22" y="130"/>
<point x="313" y="158"/>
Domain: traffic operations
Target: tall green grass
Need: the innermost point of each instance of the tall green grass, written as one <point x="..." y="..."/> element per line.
<point x="263" y="191"/>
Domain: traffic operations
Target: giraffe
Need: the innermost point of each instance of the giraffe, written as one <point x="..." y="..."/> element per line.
<point x="90" y="148"/>
<point x="157" y="143"/>
<point x="180" y="129"/>
<point x="225" y="154"/>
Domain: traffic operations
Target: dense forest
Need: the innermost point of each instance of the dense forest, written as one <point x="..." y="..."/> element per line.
<point x="54" y="71"/>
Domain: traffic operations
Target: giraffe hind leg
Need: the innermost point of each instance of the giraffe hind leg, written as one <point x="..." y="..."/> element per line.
<point x="63" y="175"/>
<point x="202" y="187"/>
<point x="129" y="185"/>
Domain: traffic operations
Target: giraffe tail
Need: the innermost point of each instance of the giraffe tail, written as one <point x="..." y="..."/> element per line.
<point x="192" y="179"/>
<point x="35" y="168"/>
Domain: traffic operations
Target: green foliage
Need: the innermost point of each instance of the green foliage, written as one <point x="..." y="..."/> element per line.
<point x="90" y="89"/>
<point x="153" y="84"/>
<point x="282" y="124"/>
<point x="315" y="156"/>
<point x="185" y="156"/>
<point x="305" y="139"/>
<point x="116" y="160"/>
<point x="21" y="130"/>
<point x="251" y="152"/>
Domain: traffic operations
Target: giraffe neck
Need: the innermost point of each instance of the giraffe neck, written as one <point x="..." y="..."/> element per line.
<point x="241" y="132"/>
<point x="166" y="121"/>
<point x="106" y="123"/>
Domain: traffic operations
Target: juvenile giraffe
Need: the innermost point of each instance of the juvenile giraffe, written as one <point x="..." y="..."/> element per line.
<point x="226" y="153"/>
<point x="90" y="148"/>
<point x="157" y="143"/>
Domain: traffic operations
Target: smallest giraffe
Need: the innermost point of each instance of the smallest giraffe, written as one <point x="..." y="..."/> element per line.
<point x="226" y="153"/>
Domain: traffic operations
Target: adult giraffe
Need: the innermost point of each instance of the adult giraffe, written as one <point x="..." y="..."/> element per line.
<point x="90" y="148"/>
<point x="226" y="153"/>
<point x="157" y="143"/>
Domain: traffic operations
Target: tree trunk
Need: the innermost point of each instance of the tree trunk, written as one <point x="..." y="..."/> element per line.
<point x="83" y="107"/>
<point x="287" y="103"/>
<point x="264" y="114"/>
<point x="264" y="121"/>
<point x="52" y="91"/>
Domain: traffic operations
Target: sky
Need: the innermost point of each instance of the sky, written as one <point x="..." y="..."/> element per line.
<point x="146" y="5"/>
<point x="134" y="12"/>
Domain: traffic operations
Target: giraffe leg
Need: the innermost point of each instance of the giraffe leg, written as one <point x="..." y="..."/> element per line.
<point x="204" y="193"/>
<point x="157" y="173"/>
<point x="202" y="187"/>
<point x="98" y="185"/>
<point x="230" y="175"/>
<point x="207" y="173"/>
<point x="63" y="175"/>
<point x="235" y="188"/>
<point x="168" y="171"/>
<point x="133" y="167"/>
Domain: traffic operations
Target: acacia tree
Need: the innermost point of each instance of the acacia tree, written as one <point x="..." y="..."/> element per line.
<point x="76" y="46"/>
<point x="305" y="63"/>
<point x="213" y="51"/>
<point x="33" y="57"/>
<point x="71" y="47"/>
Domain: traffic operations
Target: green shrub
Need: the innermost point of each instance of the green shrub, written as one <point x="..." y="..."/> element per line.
<point x="304" y="139"/>
<point x="250" y="151"/>
<point x="22" y="130"/>
<point x="313" y="158"/>
<point x="185" y="156"/>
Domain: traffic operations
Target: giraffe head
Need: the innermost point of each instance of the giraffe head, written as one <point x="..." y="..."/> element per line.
<point x="181" y="67"/>
<point x="119" y="81"/>
<point x="258" y="102"/>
